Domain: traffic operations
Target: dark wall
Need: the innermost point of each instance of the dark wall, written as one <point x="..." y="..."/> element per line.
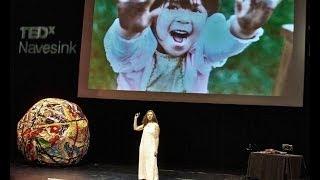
<point x="192" y="135"/>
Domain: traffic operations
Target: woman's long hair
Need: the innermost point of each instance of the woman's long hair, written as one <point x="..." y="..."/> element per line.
<point x="145" y="120"/>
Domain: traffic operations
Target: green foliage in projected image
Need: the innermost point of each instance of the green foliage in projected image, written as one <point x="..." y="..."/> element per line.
<point x="101" y="76"/>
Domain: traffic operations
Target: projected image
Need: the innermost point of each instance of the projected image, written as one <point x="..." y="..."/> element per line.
<point x="212" y="51"/>
<point x="187" y="46"/>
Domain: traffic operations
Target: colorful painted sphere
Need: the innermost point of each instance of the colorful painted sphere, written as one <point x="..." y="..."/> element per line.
<point x="53" y="132"/>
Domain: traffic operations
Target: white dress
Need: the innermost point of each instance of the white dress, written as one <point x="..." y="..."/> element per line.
<point x="148" y="168"/>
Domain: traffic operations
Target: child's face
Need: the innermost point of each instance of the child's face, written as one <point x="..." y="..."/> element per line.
<point x="178" y="28"/>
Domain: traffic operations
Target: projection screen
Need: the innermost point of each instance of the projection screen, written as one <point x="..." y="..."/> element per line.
<point x="189" y="53"/>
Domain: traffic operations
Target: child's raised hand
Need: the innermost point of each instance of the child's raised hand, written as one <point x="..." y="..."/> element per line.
<point x="135" y="15"/>
<point x="251" y="15"/>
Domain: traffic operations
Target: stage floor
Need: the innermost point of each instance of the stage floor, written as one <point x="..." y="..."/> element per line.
<point x="19" y="171"/>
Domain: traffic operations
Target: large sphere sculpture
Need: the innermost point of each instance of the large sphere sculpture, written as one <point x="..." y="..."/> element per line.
<point x="53" y="132"/>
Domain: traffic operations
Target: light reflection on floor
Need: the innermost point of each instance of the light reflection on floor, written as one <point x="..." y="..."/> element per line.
<point x="108" y="172"/>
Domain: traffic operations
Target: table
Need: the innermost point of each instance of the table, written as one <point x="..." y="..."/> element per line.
<point x="266" y="166"/>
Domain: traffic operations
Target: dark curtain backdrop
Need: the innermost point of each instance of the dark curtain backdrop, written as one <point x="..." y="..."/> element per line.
<point x="192" y="135"/>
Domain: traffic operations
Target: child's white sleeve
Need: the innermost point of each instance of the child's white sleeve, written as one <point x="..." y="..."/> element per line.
<point x="127" y="55"/>
<point x="219" y="43"/>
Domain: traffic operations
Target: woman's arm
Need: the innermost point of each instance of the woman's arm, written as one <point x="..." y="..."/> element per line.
<point x="135" y="126"/>
<point x="157" y="139"/>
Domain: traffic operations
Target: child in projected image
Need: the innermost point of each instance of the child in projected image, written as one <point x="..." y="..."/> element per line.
<point x="172" y="45"/>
